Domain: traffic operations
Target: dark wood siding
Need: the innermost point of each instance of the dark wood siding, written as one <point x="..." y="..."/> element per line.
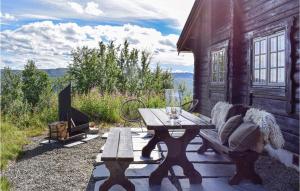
<point x="238" y="22"/>
<point x="260" y="16"/>
<point x="210" y="32"/>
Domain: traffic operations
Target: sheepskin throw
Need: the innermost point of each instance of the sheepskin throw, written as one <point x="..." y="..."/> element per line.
<point x="268" y="126"/>
<point x="219" y="113"/>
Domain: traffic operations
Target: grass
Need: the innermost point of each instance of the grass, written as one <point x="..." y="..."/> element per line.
<point x="4" y="184"/>
<point x="12" y="140"/>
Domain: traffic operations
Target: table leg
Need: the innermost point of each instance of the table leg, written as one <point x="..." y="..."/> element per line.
<point x="176" y="156"/>
<point x="150" y="145"/>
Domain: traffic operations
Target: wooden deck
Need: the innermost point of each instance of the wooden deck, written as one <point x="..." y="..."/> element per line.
<point x="214" y="168"/>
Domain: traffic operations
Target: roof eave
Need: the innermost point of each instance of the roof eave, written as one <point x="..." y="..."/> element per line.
<point x="188" y="25"/>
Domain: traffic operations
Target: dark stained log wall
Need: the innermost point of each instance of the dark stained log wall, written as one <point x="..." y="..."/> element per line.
<point x="265" y="15"/>
<point x="238" y="22"/>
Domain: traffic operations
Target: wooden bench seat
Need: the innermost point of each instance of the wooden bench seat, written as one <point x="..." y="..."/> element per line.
<point x="117" y="155"/>
<point x="244" y="161"/>
<point x="210" y="136"/>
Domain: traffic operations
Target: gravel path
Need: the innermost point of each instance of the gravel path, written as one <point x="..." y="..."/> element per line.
<point x="53" y="167"/>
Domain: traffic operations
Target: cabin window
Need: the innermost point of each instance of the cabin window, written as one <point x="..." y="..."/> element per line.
<point x="269" y="60"/>
<point x="218" y="66"/>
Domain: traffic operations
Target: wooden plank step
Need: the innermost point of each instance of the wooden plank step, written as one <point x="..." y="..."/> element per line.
<point x="209" y="170"/>
<point x="218" y="184"/>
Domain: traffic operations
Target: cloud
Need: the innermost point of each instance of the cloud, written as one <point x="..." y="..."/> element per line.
<point x="174" y="11"/>
<point x="76" y="7"/>
<point x="51" y="44"/>
<point x="90" y="9"/>
<point x="6" y="18"/>
<point x="36" y="16"/>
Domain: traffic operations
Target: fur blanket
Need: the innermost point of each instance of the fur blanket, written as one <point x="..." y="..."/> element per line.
<point x="219" y="113"/>
<point x="268" y="126"/>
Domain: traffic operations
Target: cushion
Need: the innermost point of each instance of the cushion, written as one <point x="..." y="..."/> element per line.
<point x="228" y="128"/>
<point x="245" y="137"/>
<point x="237" y="109"/>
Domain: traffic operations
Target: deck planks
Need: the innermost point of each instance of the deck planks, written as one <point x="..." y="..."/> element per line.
<point x="215" y="168"/>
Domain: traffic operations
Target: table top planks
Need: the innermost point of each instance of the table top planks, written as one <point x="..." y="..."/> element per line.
<point x="203" y="122"/>
<point x="150" y="119"/>
<point x="158" y="119"/>
<point x="118" y="145"/>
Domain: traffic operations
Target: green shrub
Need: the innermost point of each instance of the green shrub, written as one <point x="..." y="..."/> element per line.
<point x="154" y="101"/>
<point x="104" y="108"/>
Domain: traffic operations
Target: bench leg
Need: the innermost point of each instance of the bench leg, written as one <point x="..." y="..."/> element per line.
<point x="245" y="167"/>
<point x="203" y="148"/>
<point x="117" y="176"/>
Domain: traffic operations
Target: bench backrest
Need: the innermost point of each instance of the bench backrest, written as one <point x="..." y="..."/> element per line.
<point x="118" y="145"/>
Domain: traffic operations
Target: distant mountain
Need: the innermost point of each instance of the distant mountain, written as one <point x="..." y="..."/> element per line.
<point x="184" y="78"/>
<point x="53" y="73"/>
<point x="183" y="75"/>
<point x="58" y="72"/>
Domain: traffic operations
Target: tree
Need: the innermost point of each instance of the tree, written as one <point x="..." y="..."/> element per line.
<point x="10" y="88"/>
<point x="114" y="68"/>
<point x="35" y="82"/>
<point x="83" y="70"/>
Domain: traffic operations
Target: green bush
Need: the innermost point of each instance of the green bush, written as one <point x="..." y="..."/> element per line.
<point x="104" y="108"/>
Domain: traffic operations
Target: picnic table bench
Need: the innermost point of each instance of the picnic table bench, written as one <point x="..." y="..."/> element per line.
<point x="117" y="155"/>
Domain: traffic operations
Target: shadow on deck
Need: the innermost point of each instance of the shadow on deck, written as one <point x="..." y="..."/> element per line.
<point x="214" y="168"/>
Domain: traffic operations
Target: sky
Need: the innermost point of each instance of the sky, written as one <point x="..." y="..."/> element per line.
<point x="46" y="31"/>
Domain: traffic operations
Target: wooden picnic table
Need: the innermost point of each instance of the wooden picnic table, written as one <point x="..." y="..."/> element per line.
<point x="158" y="120"/>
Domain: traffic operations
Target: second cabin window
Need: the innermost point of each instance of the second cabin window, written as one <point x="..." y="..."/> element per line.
<point x="269" y="60"/>
<point x="218" y="66"/>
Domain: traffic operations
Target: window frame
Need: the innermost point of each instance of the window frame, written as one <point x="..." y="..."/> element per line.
<point x="223" y="46"/>
<point x="218" y="65"/>
<point x="268" y="38"/>
<point x="275" y="92"/>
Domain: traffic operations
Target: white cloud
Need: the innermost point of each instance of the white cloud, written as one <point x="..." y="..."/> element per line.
<point x="36" y="16"/>
<point x="91" y="8"/>
<point x="50" y="44"/>
<point x="76" y="7"/>
<point x="175" y="11"/>
<point x="6" y="18"/>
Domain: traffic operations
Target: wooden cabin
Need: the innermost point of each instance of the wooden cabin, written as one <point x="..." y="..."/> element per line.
<point x="247" y="51"/>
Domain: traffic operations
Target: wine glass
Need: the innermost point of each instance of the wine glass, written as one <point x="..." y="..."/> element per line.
<point x="173" y="103"/>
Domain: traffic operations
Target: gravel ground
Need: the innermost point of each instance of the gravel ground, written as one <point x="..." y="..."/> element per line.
<point x="53" y="167"/>
<point x="276" y="176"/>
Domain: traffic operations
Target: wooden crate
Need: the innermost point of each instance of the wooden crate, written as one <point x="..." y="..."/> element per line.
<point x="59" y="130"/>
